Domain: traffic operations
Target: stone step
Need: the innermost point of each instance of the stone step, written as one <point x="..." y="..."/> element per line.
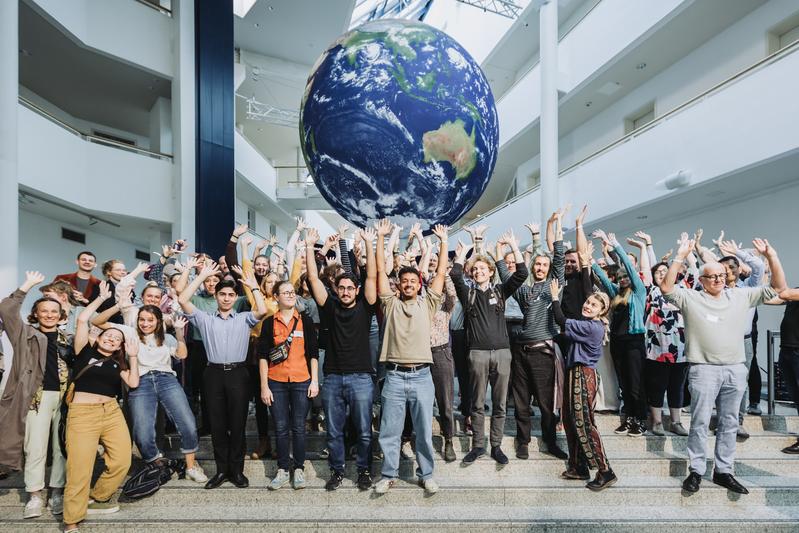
<point x="409" y="518"/>
<point x="315" y="442"/>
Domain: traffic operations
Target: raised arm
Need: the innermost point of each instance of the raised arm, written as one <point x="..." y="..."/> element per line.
<point x="383" y="285"/>
<point x="290" y="246"/>
<point x="650" y="250"/>
<point x="635" y="279"/>
<point x="370" y="285"/>
<point x="517" y="278"/>
<point x="82" y="326"/>
<point x="10" y="306"/>
<point x="477" y="233"/>
<point x="645" y="267"/>
<point x="554" y="291"/>
<point x="778" y="281"/>
<point x="231" y="253"/>
<point x="551" y="231"/>
<point x="260" y="304"/>
<point x="437" y="285"/>
<point x="456" y="274"/>
<point x="686" y="247"/>
<point x="184" y="297"/>
<point x="392" y="244"/>
<point x="318" y="289"/>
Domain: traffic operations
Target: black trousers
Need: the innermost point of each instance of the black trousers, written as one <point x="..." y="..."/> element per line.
<point x="197" y="362"/>
<point x="533" y="374"/>
<point x="227" y="393"/>
<point x="460" y="356"/>
<point x="443" y="371"/>
<point x="261" y="410"/>
<point x="629" y="354"/>
<point x="755" y="381"/>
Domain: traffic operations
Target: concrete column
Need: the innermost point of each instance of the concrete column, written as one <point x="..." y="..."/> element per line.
<point x="161" y="126"/>
<point x="548" y="24"/>
<point x="184" y="122"/>
<point x="9" y="204"/>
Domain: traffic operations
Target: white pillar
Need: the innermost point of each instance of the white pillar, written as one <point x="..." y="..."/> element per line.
<point x="548" y="25"/>
<point x="9" y="87"/>
<point x="161" y="126"/>
<point x="184" y="122"/>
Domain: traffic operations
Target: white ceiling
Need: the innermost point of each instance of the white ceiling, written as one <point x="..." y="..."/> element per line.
<point x="91" y="86"/>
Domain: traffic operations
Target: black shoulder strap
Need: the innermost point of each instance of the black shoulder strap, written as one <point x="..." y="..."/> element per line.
<point x="87" y="367"/>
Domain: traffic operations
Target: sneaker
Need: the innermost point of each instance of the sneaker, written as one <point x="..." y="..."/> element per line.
<point x="498" y="455"/>
<point x="383" y="486"/>
<point x="449" y="451"/>
<point x="657" y="429"/>
<point x="793" y="449"/>
<point x="678" y="429"/>
<point x="33" y="508"/>
<point x="196" y="473"/>
<point x="637" y="429"/>
<point x="324" y="454"/>
<point x="430" y="485"/>
<point x="472" y="456"/>
<point x="299" y="479"/>
<point x="106" y="507"/>
<point x="754" y="409"/>
<point x="335" y="481"/>
<point x="742" y="433"/>
<point x="406" y="451"/>
<point x="364" y="480"/>
<point x="56" y="503"/>
<point x="522" y="451"/>
<point x="623" y="429"/>
<point x="602" y="481"/>
<point x="576" y="473"/>
<point x="280" y="480"/>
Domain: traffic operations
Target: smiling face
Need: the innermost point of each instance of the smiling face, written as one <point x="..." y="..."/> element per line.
<point x="209" y="284"/>
<point x="481" y="272"/>
<point x="147" y="322"/>
<point x="285" y="295"/>
<point x="713" y="278"/>
<point x="541" y="266"/>
<point x="346" y="291"/>
<point x="110" y="341"/>
<point x="151" y="296"/>
<point x="593" y="307"/>
<point x="225" y="298"/>
<point x="623" y="279"/>
<point x="48" y="315"/>
<point x="571" y="265"/>
<point x="733" y="270"/>
<point x="659" y="275"/>
<point x="261" y="265"/>
<point x="86" y="263"/>
<point x="510" y="262"/>
<point x="117" y="271"/>
<point x="409" y="285"/>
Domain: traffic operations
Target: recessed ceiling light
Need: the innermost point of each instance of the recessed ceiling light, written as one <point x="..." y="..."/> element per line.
<point x="588" y="103"/>
<point x="257" y="25"/>
<point x="642" y="217"/>
<point x="260" y="129"/>
<point x="640" y="66"/>
<point x="271" y="8"/>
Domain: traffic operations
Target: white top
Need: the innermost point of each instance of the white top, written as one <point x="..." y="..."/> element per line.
<point x="152" y="356"/>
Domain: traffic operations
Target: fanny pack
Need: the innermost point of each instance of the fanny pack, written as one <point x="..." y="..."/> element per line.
<point x="280" y="353"/>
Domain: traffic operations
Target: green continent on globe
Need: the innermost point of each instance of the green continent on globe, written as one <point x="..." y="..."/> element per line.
<point x="451" y="143"/>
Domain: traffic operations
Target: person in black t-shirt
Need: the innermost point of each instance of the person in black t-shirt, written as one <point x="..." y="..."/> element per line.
<point x="789" y="350"/>
<point x="349" y="372"/>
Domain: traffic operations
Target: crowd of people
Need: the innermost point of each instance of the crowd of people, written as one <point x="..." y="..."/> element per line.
<point x="369" y="336"/>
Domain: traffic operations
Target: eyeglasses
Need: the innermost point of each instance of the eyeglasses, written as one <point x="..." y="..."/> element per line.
<point x="288" y="293"/>
<point x="715" y="277"/>
<point x="347" y="289"/>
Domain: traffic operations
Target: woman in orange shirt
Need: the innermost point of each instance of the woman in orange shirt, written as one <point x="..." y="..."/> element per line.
<point x="287" y="385"/>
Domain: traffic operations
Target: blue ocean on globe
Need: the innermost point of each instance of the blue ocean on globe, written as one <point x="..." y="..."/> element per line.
<point x="398" y="121"/>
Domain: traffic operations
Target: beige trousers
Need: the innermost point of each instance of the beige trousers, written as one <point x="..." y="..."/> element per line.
<point x="41" y="427"/>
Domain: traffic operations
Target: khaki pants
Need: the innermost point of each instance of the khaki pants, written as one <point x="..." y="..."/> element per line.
<point x="87" y="426"/>
<point x="41" y="427"/>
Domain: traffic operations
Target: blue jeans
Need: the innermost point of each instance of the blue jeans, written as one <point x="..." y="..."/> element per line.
<point x="414" y="390"/>
<point x="160" y="387"/>
<point x="289" y="408"/>
<point x="351" y="393"/>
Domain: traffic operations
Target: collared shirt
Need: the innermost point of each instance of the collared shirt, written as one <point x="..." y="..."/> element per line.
<point x="226" y="339"/>
<point x="295" y="368"/>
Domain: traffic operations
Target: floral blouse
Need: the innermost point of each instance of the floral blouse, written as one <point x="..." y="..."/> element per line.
<point x="665" y="329"/>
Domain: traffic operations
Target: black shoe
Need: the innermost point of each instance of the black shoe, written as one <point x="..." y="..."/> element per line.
<point x="691" y="483"/>
<point x="554" y="449"/>
<point x="602" y="480"/>
<point x="793" y="449"/>
<point x="335" y="480"/>
<point x="449" y="451"/>
<point x="216" y="480"/>
<point x="364" y="480"/>
<point x="240" y="480"/>
<point x="637" y="429"/>
<point x="576" y="473"/>
<point x="729" y="482"/>
<point x="498" y="455"/>
<point x="623" y="428"/>
<point x="472" y="456"/>
<point x="522" y="451"/>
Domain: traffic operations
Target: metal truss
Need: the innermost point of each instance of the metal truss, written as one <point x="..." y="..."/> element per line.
<point x="504" y="8"/>
<point x="268" y="113"/>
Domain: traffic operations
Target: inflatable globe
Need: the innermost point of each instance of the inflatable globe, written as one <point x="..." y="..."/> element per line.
<point x="398" y="121"/>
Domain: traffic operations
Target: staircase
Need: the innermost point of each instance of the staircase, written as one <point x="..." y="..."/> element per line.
<point x="522" y="496"/>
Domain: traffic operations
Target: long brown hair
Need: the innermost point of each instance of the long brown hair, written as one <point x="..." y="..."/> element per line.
<point x="159" y="326"/>
<point x="119" y="355"/>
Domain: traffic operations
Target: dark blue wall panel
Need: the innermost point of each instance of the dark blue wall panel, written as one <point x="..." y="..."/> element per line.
<point x="215" y="204"/>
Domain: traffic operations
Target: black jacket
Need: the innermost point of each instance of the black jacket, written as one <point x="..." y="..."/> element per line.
<point x="267" y="339"/>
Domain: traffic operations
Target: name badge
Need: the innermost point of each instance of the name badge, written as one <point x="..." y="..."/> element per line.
<point x="492" y="301"/>
<point x="298" y="334"/>
<point x="713" y="318"/>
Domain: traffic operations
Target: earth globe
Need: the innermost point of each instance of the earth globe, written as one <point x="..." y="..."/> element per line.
<point x="397" y="120"/>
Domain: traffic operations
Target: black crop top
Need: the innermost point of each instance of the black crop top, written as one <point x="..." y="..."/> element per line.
<point x="102" y="378"/>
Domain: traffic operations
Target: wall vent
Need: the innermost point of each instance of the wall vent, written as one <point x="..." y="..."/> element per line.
<point x="72" y="235"/>
<point x="142" y="256"/>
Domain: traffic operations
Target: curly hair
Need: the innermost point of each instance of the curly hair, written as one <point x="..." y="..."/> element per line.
<point x="32" y="319"/>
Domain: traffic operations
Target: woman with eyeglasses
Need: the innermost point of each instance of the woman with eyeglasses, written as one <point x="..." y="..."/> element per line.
<point x="627" y="305"/>
<point x="288" y="381"/>
<point x="96" y="418"/>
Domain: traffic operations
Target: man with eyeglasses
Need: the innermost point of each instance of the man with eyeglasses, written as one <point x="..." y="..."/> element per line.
<point x="348" y="369"/>
<point x="714" y="319"/>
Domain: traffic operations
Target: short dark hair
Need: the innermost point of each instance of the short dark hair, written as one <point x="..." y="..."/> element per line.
<point x="225" y="284"/>
<point x="730" y="258"/>
<point x="347" y="275"/>
<point x="407" y="270"/>
<point x="570" y="251"/>
<point x="86" y="252"/>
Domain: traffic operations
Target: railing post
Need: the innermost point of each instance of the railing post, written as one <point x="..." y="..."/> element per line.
<point x="548" y="23"/>
<point x="770" y="370"/>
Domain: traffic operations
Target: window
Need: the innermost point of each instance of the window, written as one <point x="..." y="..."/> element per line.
<point x="640" y="118"/>
<point x="783" y="34"/>
<point x="251" y="218"/>
<point x="71" y="235"/>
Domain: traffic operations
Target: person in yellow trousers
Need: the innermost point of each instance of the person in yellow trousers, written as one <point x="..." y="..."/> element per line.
<point x="95" y="418"/>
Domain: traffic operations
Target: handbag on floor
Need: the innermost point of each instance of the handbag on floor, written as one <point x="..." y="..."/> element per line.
<point x="151" y="477"/>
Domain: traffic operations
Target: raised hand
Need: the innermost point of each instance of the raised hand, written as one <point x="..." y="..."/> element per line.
<point x="534" y="227"/>
<point x="665" y="257"/>
<point x="311" y="236"/>
<point x="272" y="240"/>
<point x="32" y="278"/>
<point x="581" y="216"/>
<point x="698" y="236"/>
<point x="240" y="230"/>
<point x="728" y="247"/>
<point x="718" y="241"/>
<point x="79" y="296"/>
<point x="105" y="291"/>
<point x="554" y="289"/>
<point x="763" y="247"/>
<point x="686" y="246"/>
<point x="180" y="323"/>
<point x="509" y="238"/>
<point x="246" y="239"/>
<point x="343" y="229"/>
<point x="462" y="249"/>
<point x="260" y="245"/>
<point x="209" y="269"/>
<point x="301" y="225"/>
<point x="250" y="281"/>
<point x="600" y="234"/>
<point x="587" y="256"/>
<point x="612" y="240"/>
<point x="236" y="269"/>
<point x="477" y="232"/>
<point x="644" y="237"/>
<point x="441" y="231"/>
<point x="636" y="243"/>
<point x="368" y="234"/>
<point x="383" y="227"/>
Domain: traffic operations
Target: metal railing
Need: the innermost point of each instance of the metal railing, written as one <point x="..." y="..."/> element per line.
<point x="771" y="398"/>
<point x="88" y="136"/>
<point x="156" y="5"/>
<point x="751" y="69"/>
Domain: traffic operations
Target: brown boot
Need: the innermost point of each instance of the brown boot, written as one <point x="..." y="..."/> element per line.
<point x="264" y="449"/>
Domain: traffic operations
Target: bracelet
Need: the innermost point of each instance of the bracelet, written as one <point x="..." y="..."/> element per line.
<point x="253" y="289"/>
<point x="678" y="260"/>
<point x="234" y="238"/>
<point x="578" y="226"/>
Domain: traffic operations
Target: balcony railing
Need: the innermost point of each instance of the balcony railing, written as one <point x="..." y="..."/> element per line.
<point x="88" y="136"/>
<point x="740" y="75"/>
<point x="164" y="6"/>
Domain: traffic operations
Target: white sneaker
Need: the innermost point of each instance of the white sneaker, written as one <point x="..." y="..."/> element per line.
<point x="34" y="507"/>
<point x="382" y="486"/>
<point x="195" y="473"/>
<point x="430" y="485"/>
<point x="56" y="503"/>
<point x="299" y="479"/>
<point x="281" y="479"/>
<point x="406" y="451"/>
